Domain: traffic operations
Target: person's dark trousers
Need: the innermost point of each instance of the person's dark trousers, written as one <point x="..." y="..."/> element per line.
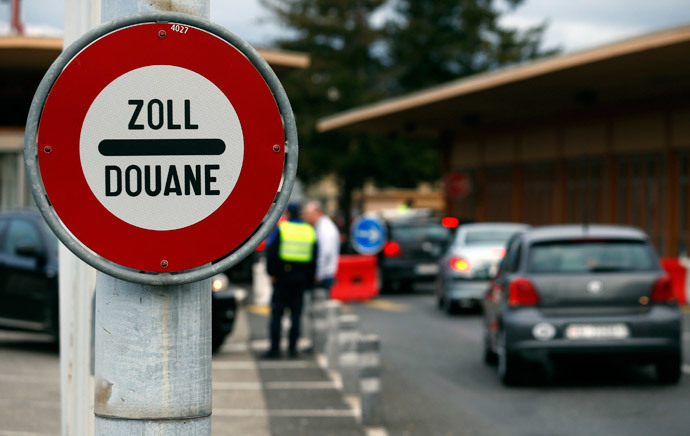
<point x="291" y="298"/>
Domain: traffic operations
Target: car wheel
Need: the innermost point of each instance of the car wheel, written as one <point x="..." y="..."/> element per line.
<point x="509" y="365"/>
<point x="668" y="369"/>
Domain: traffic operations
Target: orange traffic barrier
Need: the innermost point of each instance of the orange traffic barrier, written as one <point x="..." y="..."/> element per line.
<point x="678" y="274"/>
<point x="357" y="278"/>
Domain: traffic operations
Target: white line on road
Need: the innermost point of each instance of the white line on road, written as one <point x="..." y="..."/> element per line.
<point x="236" y="386"/>
<point x="285" y="413"/>
<point x="686" y="368"/>
<point x="376" y="431"/>
<point x="249" y="386"/>
<point x="26" y="403"/>
<point x="285" y="385"/>
<point x="21" y="433"/>
<point x="13" y="378"/>
<point x="248" y="364"/>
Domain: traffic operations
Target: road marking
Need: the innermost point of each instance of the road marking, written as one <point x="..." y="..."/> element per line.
<point x="264" y="344"/>
<point x="686" y="368"/>
<point x="27" y="403"/>
<point x="22" y="433"/>
<point x="376" y="431"/>
<point x="263" y="310"/>
<point x="236" y="347"/>
<point x="236" y="386"/>
<point x="256" y="386"/>
<point x="286" y="413"/>
<point x="387" y="306"/>
<point x="250" y="364"/>
<point x="12" y="378"/>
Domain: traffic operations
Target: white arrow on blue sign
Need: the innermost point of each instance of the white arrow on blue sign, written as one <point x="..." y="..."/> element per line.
<point x="368" y="235"/>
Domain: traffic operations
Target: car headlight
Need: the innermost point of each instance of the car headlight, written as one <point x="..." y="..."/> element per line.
<point x="220" y="282"/>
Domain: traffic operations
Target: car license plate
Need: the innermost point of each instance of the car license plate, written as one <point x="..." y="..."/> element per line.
<point x="587" y="331"/>
<point x="426" y="268"/>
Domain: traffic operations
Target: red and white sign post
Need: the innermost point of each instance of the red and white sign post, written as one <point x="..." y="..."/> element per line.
<point x="172" y="144"/>
<point x="155" y="149"/>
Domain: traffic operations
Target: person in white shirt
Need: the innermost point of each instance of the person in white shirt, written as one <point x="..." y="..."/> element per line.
<point x="328" y="240"/>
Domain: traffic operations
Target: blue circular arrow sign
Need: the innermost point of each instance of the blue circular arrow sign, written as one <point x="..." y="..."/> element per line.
<point x="368" y="235"/>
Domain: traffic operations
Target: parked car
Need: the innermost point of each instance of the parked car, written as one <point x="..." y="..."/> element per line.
<point x="28" y="274"/>
<point x="475" y="252"/>
<point x="29" y="280"/>
<point x="411" y="253"/>
<point x="582" y="291"/>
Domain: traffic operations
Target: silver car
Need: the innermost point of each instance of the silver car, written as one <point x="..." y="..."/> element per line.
<point x="467" y="264"/>
<point x="590" y="292"/>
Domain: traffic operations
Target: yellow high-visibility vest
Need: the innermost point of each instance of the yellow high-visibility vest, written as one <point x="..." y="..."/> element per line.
<point x="296" y="242"/>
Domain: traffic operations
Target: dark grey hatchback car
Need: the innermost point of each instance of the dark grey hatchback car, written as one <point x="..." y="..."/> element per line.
<point x="578" y="291"/>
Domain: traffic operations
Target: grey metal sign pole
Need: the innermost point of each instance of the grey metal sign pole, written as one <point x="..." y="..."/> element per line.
<point x="153" y="343"/>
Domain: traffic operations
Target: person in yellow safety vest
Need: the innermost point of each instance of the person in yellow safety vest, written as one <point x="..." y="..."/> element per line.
<point x="291" y="253"/>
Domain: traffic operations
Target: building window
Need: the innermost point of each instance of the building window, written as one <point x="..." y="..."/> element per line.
<point x="683" y="206"/>
<point x="538" y="193"/>
<point x="584" y="191"/>
<point x="499" y="185"/>
<point x="641" y="195"/>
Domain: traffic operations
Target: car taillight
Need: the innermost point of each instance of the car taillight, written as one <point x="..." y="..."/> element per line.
<point x="662" y="291"/>
<point x="522" y="293"/>
<point x="392" y="249"/>
<point x="450" y="222"/>
<point x="458" y="264"/>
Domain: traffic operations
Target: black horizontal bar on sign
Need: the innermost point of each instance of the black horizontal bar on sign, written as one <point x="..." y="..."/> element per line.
<point x="161" y="147"/>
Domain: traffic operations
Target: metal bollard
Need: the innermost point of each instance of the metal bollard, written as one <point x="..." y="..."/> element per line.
<point x="348" y="361"/>
<point x="319" y="322"/>
<point x="368" y="348"/>
<point x="333" y="309"/>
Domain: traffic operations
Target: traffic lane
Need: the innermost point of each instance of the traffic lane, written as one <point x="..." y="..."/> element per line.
<point x="29" y="384"/>
<point x="434" y="382"/>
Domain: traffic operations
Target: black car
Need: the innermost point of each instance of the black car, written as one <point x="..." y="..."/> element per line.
<point x="411" y="252"/>
<point x="582" y="292"/>
<point x="29" y="280"/>
<point x="28" y="273"/>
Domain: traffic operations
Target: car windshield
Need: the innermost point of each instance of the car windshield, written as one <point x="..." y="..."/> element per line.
<point x="488" y="236"/>
<point x="590" y="256"/>
<point x="421" y="232"/>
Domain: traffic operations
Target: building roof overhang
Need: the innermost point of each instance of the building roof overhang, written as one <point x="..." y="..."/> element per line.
<point x="20" y="53"/>
<point x="639" y="69"/>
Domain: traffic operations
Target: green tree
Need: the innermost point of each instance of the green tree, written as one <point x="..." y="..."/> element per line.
<point x="353" y="62"/>
<point x="432" y="42"/>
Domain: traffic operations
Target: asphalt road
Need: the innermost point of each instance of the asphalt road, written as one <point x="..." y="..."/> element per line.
<point x="435" y="383"/>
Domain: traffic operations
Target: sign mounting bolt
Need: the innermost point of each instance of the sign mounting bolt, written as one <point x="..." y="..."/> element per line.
<point x="47" y="149"/>
<point x="161" y="34"/>
<point x="164" y="263"/>
<point x="276" y="148"/>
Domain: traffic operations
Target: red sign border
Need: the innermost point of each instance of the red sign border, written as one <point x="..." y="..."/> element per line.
<point x="82" y="214"/>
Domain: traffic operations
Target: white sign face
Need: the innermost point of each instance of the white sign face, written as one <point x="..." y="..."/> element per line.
<point x="161" y="147"/>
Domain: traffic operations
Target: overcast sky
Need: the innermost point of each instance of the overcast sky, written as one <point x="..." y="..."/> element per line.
<point x="573" y="24"/>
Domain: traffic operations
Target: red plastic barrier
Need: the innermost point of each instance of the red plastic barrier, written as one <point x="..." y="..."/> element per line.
<point x="357" y="278"/>
<point x="678" y="274"/>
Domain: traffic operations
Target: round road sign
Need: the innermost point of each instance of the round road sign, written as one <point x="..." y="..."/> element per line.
<point x="160" y="146"/>
<point x="458" y="185"/>
<point x="368" y="235"/>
